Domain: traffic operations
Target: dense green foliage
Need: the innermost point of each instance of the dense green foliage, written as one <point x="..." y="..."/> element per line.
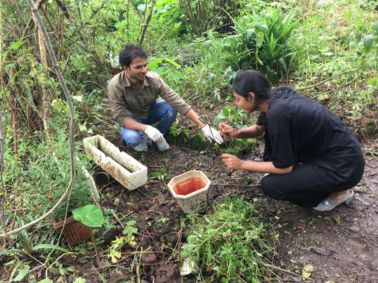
<point x="325" y="49"/>
<point x="40" y="174"/>
<point x="264" y="42"/>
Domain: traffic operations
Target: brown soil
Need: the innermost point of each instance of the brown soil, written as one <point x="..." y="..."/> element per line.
<point x="341" y="245"/>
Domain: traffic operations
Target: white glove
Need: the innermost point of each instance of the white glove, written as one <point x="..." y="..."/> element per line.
<point x="212" y="134"/>
<point x="154" y="134"/>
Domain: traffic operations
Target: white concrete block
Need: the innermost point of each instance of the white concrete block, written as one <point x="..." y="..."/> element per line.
<point x="124" y="168"/>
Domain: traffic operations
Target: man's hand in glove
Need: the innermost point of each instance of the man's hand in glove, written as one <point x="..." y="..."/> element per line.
<point x="212" y="134"/>
<point x="154" y="134"/>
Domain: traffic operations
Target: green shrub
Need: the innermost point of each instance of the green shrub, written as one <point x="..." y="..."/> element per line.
<point x="233" y="116"/>
<point x="200" y="71"/>
<point x="264" y="42"/>
<point x="166" y="22"/>
<point x="202" y="16"/>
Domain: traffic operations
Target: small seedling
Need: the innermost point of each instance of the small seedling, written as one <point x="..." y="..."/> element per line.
<point x="160" y="175"/>
<point x="128" y="238"/>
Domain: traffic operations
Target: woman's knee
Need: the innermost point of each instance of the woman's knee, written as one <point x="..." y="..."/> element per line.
<point x="271" y="187"/>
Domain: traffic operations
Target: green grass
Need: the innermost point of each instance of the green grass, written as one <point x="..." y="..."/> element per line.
<point x="336" y="45"/>
<point x="39" y="176"/>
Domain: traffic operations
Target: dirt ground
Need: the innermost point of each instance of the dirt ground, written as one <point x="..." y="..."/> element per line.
<point x="341" y="245"/>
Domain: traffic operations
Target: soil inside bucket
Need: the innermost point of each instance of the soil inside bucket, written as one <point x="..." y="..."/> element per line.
<point x="189" y="186"/>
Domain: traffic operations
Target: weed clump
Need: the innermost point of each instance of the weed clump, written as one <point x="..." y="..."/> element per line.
<point x="228" y="245"/>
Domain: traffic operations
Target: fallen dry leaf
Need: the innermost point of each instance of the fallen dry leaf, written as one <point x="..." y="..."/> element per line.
<point x="307" y="271"/>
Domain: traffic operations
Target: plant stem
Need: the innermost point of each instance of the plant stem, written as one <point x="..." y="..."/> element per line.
<point x="281" y="269"/>
<point x="326" y="80"/>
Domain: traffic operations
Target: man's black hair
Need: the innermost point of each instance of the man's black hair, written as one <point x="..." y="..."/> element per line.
<point x="252" y="81"/>
<point x="129" y="53"/>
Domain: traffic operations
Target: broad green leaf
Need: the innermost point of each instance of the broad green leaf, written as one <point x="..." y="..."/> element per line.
<point x="22" y="273"/>
<point x="89" y="215"/>
<point x="16" y="45"/>
<point x="172" y="62"/>
<point x="80" y="280"/>
<point x="50" y="247"/>
<point x="219" y="118"/>
<point x="130" y="228"/>
<point x="60" y="106"/>
<point x="46" y="280"/>
<point x="373" y="82"/>
<point x="141" y="7"/>
<point x="155" y="63"/>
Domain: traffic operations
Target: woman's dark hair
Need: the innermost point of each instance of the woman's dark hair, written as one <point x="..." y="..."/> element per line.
<point x="129" y="53"/>
<point x="252" y="81"/>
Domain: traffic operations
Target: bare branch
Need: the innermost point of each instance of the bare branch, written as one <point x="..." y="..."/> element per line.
<point x="1" y="145"/>
<point x="63" y="8"/>
<point x="146" y="23"/>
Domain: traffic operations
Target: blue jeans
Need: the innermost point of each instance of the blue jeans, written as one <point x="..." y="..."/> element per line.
<point x="161" y="112"/>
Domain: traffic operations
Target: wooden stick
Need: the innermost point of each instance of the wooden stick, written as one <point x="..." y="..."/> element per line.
<point x="118" y="220"/>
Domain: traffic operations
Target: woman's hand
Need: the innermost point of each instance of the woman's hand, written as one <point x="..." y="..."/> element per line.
<point x="227" y="131"/>
<point x="231" y="161"/>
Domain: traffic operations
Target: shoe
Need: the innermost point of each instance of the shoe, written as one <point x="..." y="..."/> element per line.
<point x="327" y="205"/>
<point x="141" y="147"/>
<point x="149" y="141"/>
<point x="162" y="145"/>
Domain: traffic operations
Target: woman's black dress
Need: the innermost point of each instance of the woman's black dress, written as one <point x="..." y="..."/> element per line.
<point x="325" y="154"/>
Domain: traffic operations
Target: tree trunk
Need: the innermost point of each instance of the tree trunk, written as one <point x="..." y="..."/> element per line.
<point x="46" y="96"/>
